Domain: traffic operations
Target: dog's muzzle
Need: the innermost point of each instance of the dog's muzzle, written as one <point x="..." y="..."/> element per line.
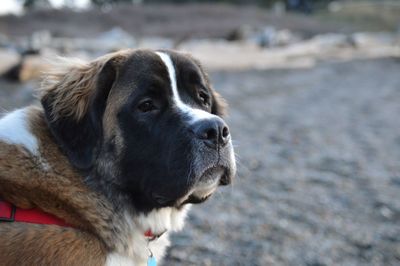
<point x="216" y="159"/>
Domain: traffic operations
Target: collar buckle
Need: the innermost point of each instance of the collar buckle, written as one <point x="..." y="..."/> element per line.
<point x="151" y="237"/>
<point x="6" y="208"/>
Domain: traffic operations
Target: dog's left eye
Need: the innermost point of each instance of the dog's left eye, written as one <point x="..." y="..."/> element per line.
<point x="146" y="106"/>
<point x="204" y="98"/>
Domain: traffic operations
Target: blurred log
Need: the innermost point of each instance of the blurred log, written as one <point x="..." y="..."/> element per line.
<point x="8" y="60"/>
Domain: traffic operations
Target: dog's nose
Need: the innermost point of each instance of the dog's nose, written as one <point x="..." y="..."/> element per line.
<point x="214" y="132"/>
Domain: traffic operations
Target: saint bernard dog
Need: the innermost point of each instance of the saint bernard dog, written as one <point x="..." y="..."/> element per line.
<point x="111" y="160"/>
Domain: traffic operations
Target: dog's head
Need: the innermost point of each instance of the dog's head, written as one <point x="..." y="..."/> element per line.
<point x="143" y="124"/>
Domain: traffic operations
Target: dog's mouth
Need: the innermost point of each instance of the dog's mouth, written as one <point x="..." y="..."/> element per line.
<point x="207" y="184"/>
<point x="202" y="189"/>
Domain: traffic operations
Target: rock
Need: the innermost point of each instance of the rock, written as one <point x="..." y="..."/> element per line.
<point x="270" y="37"/>
<point x="264" y="37"/>
<point x="240" y="33"/>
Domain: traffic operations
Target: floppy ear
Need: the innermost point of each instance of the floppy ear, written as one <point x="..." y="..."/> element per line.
<point x="74" y="100"/>
<point x="219" y="106"/>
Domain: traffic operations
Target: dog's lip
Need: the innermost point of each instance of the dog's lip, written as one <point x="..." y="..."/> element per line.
<point x="195" y="200"/>
<point x="224" y="179"/>
<point x="209" y="172"/>
<point x="207" y="183"/>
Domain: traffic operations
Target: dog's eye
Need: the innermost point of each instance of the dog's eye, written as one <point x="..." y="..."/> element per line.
<point x="146" y="106"/>
<point x="204" y="98"/>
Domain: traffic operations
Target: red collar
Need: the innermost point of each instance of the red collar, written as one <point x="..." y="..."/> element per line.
<point x="11" y="213"/>
<point x="150" y="236"/>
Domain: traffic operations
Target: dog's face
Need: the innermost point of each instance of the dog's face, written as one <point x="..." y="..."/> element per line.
<point x="151" y="130"/>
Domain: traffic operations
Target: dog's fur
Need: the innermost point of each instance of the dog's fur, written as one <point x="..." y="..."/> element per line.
<point x="115" y="149"/>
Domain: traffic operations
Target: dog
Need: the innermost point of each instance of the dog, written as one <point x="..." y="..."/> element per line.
<point x="111" y="159"/>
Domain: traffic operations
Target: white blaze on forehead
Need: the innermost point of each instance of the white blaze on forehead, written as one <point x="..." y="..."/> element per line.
<point x="172" y="75"/>
<point x="193" y="113"/>
<point x="14" y="130"/>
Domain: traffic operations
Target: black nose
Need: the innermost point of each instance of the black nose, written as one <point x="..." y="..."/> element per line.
<point x="214" y="132"/>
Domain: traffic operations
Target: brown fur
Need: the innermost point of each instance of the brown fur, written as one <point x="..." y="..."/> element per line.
<point x="81" y="76"/>
<point x="62" y="184"/>
<point x="31" y="244"/>
<point x="51" y="184"/>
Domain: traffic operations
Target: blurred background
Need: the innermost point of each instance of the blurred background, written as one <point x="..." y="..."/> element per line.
<point x="314" y="94"/>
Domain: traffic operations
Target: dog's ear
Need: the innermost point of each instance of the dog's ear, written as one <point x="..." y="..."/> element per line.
<point x="219" y="106"/>
<point x="74" y="98"/>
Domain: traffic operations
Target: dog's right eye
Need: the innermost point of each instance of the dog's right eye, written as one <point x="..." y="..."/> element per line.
<point x="204" y="98"/>
<point x="146" y="106"/>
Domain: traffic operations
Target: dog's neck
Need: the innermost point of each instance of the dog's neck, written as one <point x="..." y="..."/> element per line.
<point x="44" y="178"/>
<point x="37" y="174"/>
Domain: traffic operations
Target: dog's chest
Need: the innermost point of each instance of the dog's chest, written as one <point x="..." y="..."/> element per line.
<point x="134" y="248"/>
<point x="139" y="253"/>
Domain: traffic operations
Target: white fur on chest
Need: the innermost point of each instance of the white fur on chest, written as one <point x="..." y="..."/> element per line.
<point x="158" y="221"/>
<point x="14" y="129"/>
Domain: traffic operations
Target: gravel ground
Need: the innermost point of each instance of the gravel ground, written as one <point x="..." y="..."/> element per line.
<point x="319" y="172"/>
